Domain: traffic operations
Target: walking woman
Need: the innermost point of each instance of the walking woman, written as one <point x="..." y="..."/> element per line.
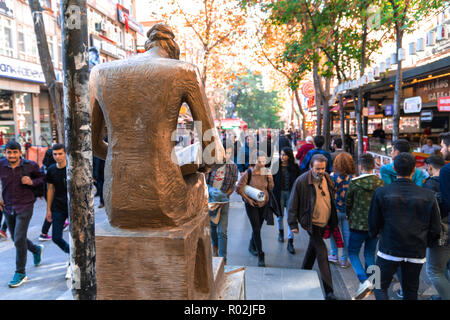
<point x="343" y="171"/>
<point x="287" y="172"/>
<point x="259" y="177"/>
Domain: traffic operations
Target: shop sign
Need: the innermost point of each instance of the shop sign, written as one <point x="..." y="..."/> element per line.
<point x="7" y="8"/>
<point x="412" y="105"/>
<point x="123" y="17"/>
<point x="426" y="115"/>
<point x="389" y="110"/>
<point x="21" y="70"/>
<point x="372" y="111"/>
<point x="444" y="104"/>
<point x="431" y="91"/>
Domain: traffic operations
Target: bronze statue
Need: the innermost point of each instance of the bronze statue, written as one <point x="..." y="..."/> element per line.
<point x="138" y="99"/>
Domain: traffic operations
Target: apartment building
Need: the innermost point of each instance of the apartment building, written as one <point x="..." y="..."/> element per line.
<point x="24" y="99"/>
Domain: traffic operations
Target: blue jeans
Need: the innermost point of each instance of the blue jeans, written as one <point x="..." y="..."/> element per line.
<point x="354" y="247"/>
<point x="438" y="264"/>
<point x="284" y="203"/>
<point x="345" y="231"/>
<point x="219" y="231"/>
<point x="57" y="233"/>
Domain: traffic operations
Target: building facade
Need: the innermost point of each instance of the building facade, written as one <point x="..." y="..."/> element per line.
<point x="24" y="99"/>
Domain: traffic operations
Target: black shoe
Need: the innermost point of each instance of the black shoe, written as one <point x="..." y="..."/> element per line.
<point x="261" y="262"/>
<point x="330" y="296"/>
<point x="281" y="236"/>
<point x="252" y="248"/>
<point x="290" y="246"/>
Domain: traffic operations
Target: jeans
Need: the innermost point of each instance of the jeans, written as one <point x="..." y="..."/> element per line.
<point x="284" y="203"/>
<point x="256" y="217"/>
<point x="57" y="234"/>
<point x="219" y="231"/>
<point x="46" y="226"/>
<point x="438" y="265"/>
<point x="4" y="226"/>
<point x="345" y="230"/>
<point x="410" y="278"/>
<point x="354" y="247"/>
<point x="318" y="249"/>
<point x="100" y="190"/>
<point x="18" y="227"/>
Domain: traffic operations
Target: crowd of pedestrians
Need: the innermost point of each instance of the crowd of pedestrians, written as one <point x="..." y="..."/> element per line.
<point x="22" y="182"/>
<point x="398" y="218"/>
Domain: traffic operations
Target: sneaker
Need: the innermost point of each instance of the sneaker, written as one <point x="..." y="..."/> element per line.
<point x="38" y="256"/>
<point x="3" y="235"/>
<point x="333" y="258"/>
<point x="344" y="264"/>
<point x="101" y="206"/>
<point x="66" y="226"/>
<point x="44" y="237"/>
<point x="363" y="290"/>
<point x="18" y="279"/>
<point x="290" y="246"/>
<point x="399" y="293"/>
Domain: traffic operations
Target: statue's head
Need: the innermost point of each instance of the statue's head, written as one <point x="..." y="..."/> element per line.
<point x="162" y="36"/>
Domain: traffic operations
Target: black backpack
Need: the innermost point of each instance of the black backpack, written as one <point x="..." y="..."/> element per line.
<point x="38" y="191"/>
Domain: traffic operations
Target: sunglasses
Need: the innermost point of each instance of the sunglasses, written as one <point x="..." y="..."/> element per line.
<point x="321" y="190"/>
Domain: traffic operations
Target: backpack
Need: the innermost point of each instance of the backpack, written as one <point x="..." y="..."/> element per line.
<point x="38" y="191"/>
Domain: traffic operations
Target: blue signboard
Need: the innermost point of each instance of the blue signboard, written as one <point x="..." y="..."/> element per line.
<point x="389" y="110"/>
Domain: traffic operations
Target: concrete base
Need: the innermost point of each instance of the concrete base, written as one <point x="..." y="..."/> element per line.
<point x="229" y="281"/>
<point x="155" y="264"/>
<point x="282" y="284"/>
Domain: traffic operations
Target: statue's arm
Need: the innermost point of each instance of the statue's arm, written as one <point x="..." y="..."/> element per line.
<point x="99" y="147"/>
<point x="195" y="97"/>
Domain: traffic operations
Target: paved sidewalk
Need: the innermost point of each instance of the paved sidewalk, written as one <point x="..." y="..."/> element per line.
<point x="47" y="281"/>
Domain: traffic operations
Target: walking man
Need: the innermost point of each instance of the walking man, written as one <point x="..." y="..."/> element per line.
<point x="312" y="204"/>
<point x="224" y="179"/>
<point x="57" y="209"/>
<point x="18" y="176"/>
<point x="406" y="219"/>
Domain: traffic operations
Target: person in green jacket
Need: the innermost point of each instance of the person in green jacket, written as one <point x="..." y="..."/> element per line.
<point x="358" y="198"/>
<point x="387" y="171"/>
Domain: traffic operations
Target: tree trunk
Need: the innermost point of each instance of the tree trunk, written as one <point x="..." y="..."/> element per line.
<point x="326" y="116"/>
<point x="318" y="99"/>
<point x="398" y="86"/>
<point x="79" y="146"/>
<point x="300" y="108"/>
<point x="341" y="116"/>
<point x="358" y="104"/>
<point x="54" y="88"/>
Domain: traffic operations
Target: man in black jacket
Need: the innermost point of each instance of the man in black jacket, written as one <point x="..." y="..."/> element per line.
<point x="406" y="218"/>
<point x="312" y="204"/>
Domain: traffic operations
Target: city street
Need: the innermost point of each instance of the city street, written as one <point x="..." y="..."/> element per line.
<point x="47" y="281"/>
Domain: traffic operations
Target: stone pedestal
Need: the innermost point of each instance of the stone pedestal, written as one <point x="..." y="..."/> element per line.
<point x="141" y="264"/>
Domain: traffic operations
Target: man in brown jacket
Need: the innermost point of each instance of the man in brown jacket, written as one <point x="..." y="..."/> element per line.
<point x="312" y="204"/>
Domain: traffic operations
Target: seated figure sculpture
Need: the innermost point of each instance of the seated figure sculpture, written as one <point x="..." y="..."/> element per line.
<point x="138" y="99"/>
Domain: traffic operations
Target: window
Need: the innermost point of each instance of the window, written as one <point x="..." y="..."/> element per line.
<point x="21" y="42"/>
<point x="46" y="4"/>
<point x="6" y="40"/>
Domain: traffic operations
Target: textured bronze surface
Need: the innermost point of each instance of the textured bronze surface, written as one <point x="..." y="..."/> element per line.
<point x="143" y="264"/>
<point x="139" y="101"/>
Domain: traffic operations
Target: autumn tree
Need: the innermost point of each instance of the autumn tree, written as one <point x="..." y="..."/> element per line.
<point x="217" y="26"/>
<point x="401" y="16"/>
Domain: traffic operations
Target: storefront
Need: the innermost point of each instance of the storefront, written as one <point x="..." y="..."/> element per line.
<point x="24" y="103"/>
